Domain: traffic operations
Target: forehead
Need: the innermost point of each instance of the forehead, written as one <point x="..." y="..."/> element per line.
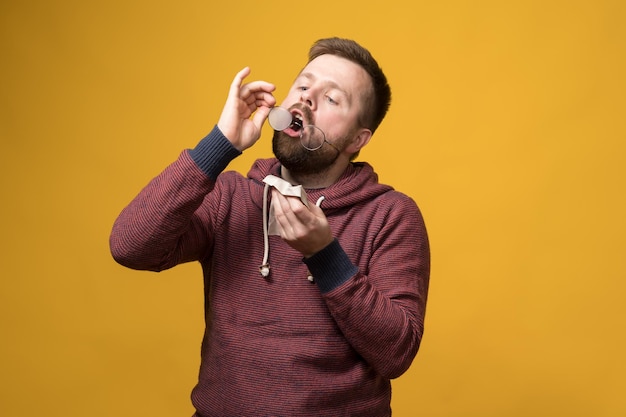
<point x="343" y="73"/>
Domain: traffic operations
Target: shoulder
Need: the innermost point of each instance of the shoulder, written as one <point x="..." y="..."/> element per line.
<point x="397" y="211"/>
<point x="230" y="183"/>
<point x="394" y="200"/>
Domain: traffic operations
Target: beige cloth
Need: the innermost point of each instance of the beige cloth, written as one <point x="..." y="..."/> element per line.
<point x="287" y="190"/>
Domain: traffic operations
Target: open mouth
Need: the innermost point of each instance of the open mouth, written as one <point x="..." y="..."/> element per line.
<point x="296" y="123"/>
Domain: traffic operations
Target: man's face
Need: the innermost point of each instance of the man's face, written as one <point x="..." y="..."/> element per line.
<point x="328" y="94"/>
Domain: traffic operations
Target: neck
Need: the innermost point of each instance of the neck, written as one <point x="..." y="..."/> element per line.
<point x="318" y="180"/>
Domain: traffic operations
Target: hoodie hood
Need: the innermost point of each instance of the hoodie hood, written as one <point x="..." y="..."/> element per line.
<point x="358" y="183"/>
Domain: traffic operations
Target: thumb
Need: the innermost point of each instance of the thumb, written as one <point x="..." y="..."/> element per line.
<point x="260" y="115"/>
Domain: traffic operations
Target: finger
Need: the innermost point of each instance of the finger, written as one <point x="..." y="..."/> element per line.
<point x="235" y="85"/>
<point x="281" y="204"/>
<point x="280" y="207"/>
<point x="298" y="213"/>
<point x="260" y="85"/>
<point x="255" y="89"/>
<point x="261" y="99"/>
<point x="260" y="115"/>
<point x="260" y="111"/>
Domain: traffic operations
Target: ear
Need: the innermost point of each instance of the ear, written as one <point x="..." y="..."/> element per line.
<point x="361" y="139"/>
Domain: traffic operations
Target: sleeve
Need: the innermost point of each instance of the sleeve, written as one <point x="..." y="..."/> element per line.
<point x="382" y="313"/>
<point x="163" y="226"/>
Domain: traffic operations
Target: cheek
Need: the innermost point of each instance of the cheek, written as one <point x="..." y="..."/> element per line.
<point x="335" y="125"/>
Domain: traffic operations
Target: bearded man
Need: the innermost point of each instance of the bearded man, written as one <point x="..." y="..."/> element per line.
<point x="316" y="275"/>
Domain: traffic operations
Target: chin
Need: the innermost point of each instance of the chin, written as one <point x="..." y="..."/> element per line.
<point x="296" y="159"/>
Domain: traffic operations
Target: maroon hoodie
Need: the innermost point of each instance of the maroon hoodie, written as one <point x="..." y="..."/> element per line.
<point x="285" y="345"/>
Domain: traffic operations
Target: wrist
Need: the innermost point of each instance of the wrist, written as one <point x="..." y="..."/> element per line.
<point x="213" y="153"/>
<point x="330" y="267"/>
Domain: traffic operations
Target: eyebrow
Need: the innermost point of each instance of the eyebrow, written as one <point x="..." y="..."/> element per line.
<point x="330" y="83"/>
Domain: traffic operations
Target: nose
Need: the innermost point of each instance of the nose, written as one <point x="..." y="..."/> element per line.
<point x="307" y="98"/>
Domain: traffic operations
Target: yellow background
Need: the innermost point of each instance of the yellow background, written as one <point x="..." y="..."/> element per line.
<point x="507" y="128"/>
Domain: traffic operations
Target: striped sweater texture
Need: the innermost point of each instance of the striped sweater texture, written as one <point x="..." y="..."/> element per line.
<point x="282" y="345"/>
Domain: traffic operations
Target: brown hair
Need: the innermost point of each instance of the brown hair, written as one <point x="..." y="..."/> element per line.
<point x="378" y="100"/>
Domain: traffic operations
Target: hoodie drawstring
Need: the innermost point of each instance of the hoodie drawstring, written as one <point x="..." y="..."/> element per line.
<point x="265" y="267"/>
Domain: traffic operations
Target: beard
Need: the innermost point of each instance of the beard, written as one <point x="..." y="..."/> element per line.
<point x="301" y="161"/>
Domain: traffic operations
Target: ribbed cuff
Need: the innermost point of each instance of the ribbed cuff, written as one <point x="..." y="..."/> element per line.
<point x="331" y="267"/>
<point x="214" y="153"/>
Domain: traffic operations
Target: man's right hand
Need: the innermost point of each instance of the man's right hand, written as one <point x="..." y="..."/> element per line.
<point x="243" y="101"/>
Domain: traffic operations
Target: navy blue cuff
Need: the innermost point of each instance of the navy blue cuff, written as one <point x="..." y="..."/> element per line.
<point x="214" y="153"/>
<point x="331" y="267"/>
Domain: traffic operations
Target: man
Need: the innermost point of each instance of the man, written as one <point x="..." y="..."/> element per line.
<point x="316" y="319"/>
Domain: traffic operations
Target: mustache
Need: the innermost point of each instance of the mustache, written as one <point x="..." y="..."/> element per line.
<point x="307" y="113"/>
